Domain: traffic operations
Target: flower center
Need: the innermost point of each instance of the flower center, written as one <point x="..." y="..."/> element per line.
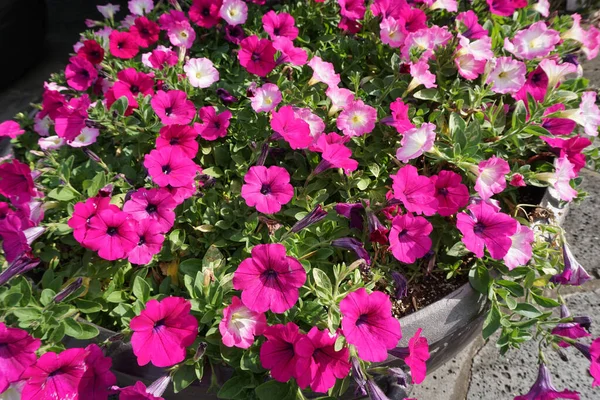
<point x="362" y="319"/>
<point x="232" y="12"/>
<point x="158" y="324"/>
<point x="502" y="74"/>
<point x="166" y="169"/>
<point x="84" y="73"/>
<point x="134" y="89"/>
<point x="151" y="209"/>
<point x="357" y="119"/>
<point x="183" y="34"/>
<point x="269" y="274"/>
<point x="205" y="12"/>
<point x="268" y="100"/>
<point x="174" y="141"/>
<point x="198" y="75"/>
<point x="111" y="231"/>
<point x="55" y="373"/>
<point x="265" y="189"/>
<point x="168" y="111"/>
<point x="479" y="228"/>
<point x="255" y="57"/>
<point x="142" y="241"/>
<point x="403" y="232"/>
<point x="443" y="191"/>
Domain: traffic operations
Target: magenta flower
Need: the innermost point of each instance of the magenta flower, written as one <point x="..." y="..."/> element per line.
<point x="484" y="225"/>
<point x="278" y="353"/>
<point x="123" y="44"/>
<point x="267" y="189"/>
<point x="130" y="84"/>
<point x="357" y="119"/>
<point x="558" y="126"/>
<point x="389" y="8"/>
<point x="543" y="389"/>
<point x="17" y="353"/>
<point x="10" y="129"/>
<point x="170" y="166"/>
<point x="450" y="193"/>
<point x="321" y="365"/>
<point x="269" y="279"/>
<point x="173" y="107"/>
<point x="573" y="330"/>
<point x="205" y="13"/>
<point x="55" y="376"/>
<point x="491" y="178"/>
<point x="368" y="324"/>
<point x="97" y="379"/>
<point x="289" y="53"/>
<point x="257" y="55"/>
<point x="91" y="51"/>
<point x="416" y="192"/>
<point x="83" y="212"/>
<point x="80" y="73"/>
<point x="159" y="58"/>
<point x="418" y="354"/>
<point x="162" y="332"/>
<point x="150" y="241"/>
<point x="573" y="272"/>
<point x="352" y="9"/>
<point x="536" y="85"/>
<point x="112" y="233"/>
<point x="145" y="31"/>
<point x="137" y="392"/>
<point x="279" y="25"/>
<point x="155" y="205"/>
<point x="534" y="42"/>
<point x="240" y="325"/>
<point x="182" y="137"/>
<point x="520" y="251"/>
<point x="507" y="75"/>
<point x="181" y="193"/>
<point x="213" y="125"/>
<point x="409" y="238"/>
<point x="504" y="8"/>
<point x="595" y="362"/>
<point x="473" y="29"/>
<point x="16" y="182"/>
<point x="335" y="155"/>
<point x="399" y="118"/>
<point x="293" y="129"/>
<point x="71" y="117"/>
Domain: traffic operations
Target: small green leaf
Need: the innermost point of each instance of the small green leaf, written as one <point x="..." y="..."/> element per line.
<point x="479" y="277"/>
<point x="183" y="377"/>
<point x="272" y="390"/>
<point x="527" y="310"/>
<point x="141" y="289"/>
<point x="120" y="105"/>
<point x="492" y="321"/>
<point x="88" y="306"/>
<point x="545" y="301"/>
<point x="234" y="386"/>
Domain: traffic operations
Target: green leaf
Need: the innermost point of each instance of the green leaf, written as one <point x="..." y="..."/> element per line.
<point x="519" y="115"/>
<point x="97" y="183"/>
<point x="527" y="310"/>
<point x="492" y="321"/>
<point x="428" y="94"/>
<point x="141" y="289"/>
<point x="63" y="193"/>
<point x="234" y="386"/>
<point x="120" y="105"/>
<point x="12" y="299"/>
<point x="27" y="314"/>
<point x="47" y="296"/>
<point x="190" y="266"/>
<point x="545" y="301"/>
<point x="513" y="287"/>
<point x="479" y="277"/>
<point x="183" y="377"/>
<point x="88" y="306"/>
<point x="322" y="281"/>
<point x="272" y="390"/>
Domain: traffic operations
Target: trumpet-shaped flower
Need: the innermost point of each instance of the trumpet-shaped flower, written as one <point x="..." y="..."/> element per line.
<point x="278" y="353"/>
<point x="450" y="193"/>
<point x="421" y="76"/>
<point x="182" y="137"/>
<point x="173" y="107"/>
<point x="323" y="71"/>
<point x="97" y="379"/>
<point x="206" y="13"/>
<point x="10" y="129"/>
<point x="543" y="389"/>
<point x="146" y="31"/>
<point x="240" y="325"/>
<point x="112" y="233"/>
<point x="289" y="53"/>
<point x="293" y="129"/>
<point x="213" y="126"/>
<point x="555" y="72"/>
<point x="357" y="119"/>
<point x="393" y="31"/>
<point x="201" y="72"/>
<point x="520" y="251"/>
<point x="155" y="205"/>
<point x="123" y="44"/>
<point x="573" y="272"/>
<point x="560" y="179"/>
<point x="415" y="142"/>
<point x="234" y="12"/>
<point x="279" y="25"/>
<point x="473" y="29"/>
<point x="491" y="178"/>
<point x="536" y="85"/>
<point x="589" y="39"/>
<point x="409" y="237"/>
<point x="266" y="98"/>
<point x="416" y="192"/>
<point x="267" y="189"/>
<point x="257" y="55"/>
<point x="17" y="353"/>
<point x="534" y="42"/>
<point x="507" y="75"/>
<point x="150" y="240"/>
<point x="80" y="73"/>
<point x="170" y="166"/>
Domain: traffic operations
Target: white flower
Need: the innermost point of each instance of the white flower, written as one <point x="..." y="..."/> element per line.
<point x="140" y="7"/>
<point x="201" y="72"/>
<point x="42" y="125"/>
<point x="415" y="142"/>
<point x="51" y="142"/>
<point x="108" y="11"/>
<point x="85" y="138"/>
<point x="234" y="12"/>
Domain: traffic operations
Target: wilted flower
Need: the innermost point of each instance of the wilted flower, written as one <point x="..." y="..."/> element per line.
<point x="353" y="245"/>
<point x="573" y="273"/>
<point x="68" y="290"/>
<point x="316" y="215"/>
<point x="543" y="389"/>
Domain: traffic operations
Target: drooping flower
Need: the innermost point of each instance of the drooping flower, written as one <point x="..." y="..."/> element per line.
<point x="10" y="129"/>
<point x="269" y="279"/>
<point x="140" y="7"/>
<point x="473" y="30"/>
<point x="409" y="237"/>
<point x="321" y="365"/>
<point x="80" y="73"/>
<point x="543" y="389"/>
<point x="418" y="349"/>
<point x="323" y="71"/>
<point x="393" y="31"/>
<point x="507" y="75"/>
<point x="108" y="10"/>
<point x="234" y="12"/>
<point x="534" y="42"/>
<point x="316" y="215"/>
<point x="173" y="107"/>
<point x="421" y="76"/>
<point x="123" y="44"/>
<point x="340" y="98"/>
<point x="555" y="72"/>
<point x="240" y="325"/>
<point x="354" y="245"/>
<point x="71" y="116"/>
<point x="55" y="376"/>
<point x="542" y="7"/>
<point x="226" y="97"/>
<point x="574" y="329"/>
<point x="590" y="39"/>
<point x="415" y="142"/>
<point x="289" y="53"/>
<point x="41" y="126"/>
<point x="595" y="362"/>
<point x="205" y="13"/>
<point x="91" y="51"/>
<point x="213" y="126"/>
<point x="182" y="137"/>
<point x="162" y="332"/>
<point x="17" y="353"/>
<point x="97" y="379"/>
<point x="520" y="251"/>
<point x="266" y="98"/>
<point x="573" y="272"/>
<point x="353" y="212"/>
<point x="483" y="225"/>
<point x="416" y="192"/>
<point x="155" y="205"/>
<point x="170" y="166"/>
<point x="588" y="114"/>
<point x="399" y="118"/>
<point x="278" y="353"/>
<point x="335" y="155"/>
<point x="111" y="233"/>
<point x="491" y="178"/>
<point x="201" y="72"/>
<point x="536" y="85"/>
<point x="257" y="55"/>
<point x="294" y="130"/>
<point x="150" y="240"/>
<point x="368" y="324"/>
<point x="451" y="194"/>
<point x="21" y="264"/>
<point x="279" y="25"/>
<point x="560" y="179"/>
<point x="570" y="148"/>
<point x="145" y="31"/>
<point x="357" y="119"/>
<point x="137" y="392"/>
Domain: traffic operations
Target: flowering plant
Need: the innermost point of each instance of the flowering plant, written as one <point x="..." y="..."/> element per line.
<point x="260" y="186"/>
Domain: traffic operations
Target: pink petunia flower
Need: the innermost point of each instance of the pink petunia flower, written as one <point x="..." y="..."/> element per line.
<point x="348" y="25"/>
<point x="368" y="324"/>
<point x="181" y="193"/>
<point x="123" y="45"/>
<point x="421" y="76"/>
<point x="257" y="55"/>
<point x="340" y="99"/>
<point x="352" y="9"/>
<point x="240" y="325"/>
<point x="542" y="7"/>
<point x="468" y="67"/>
<point x="543" y="389"/>
<point x="357" y="119"/>
<point x="168" y="21"/>
<point x="491" y="177"/>
<point x="595" y="362"/>
<point x="393" y="32"/>
<point x="335" y="155"/>
<point x="155" y="205"/>
<point x="108" y="10"/>
<point x="504" y="8"/>
<point x="266" y="98"/>
<point x="87" y="137"/>
<point x="181" y="34"/>
<point x="418" y="354"/>
<point x="555" y="72"/>
<point x="70" y="118"/>
<point x="213" y="126"/>
<point x="517" y="180"/>
<point x="173" y="107"/>
<point x="450" y="193"/>
<point x="205" y="13"/>
<point x="83" y="212"/>
<point x="416" y="192"/>
<point x="589" y="39"/>
<point x="399" y="118"/>
<point x="520" y="251"/>
<point x="10" y="129"/>
<point x="130" y="84"/>
<point x="587" y="115"/>
<point x="55" y="376"/>
<point x="507" y="75"/>
<point x="17" y="182"/>
<point x="415" y="142"/>
<point x="323" y="72"/>
<point x="159" y="58"/>
<point x="51" y="142"/>
<point x="140" y="7"/>
<point x="315" y="123"/>
<point x="279" y="25"/>
<point x="182" y="137"/>
<point x="389" y="8"/>
<point x="267" y="189"/>
<point x="137" y="392"/>
<point x="473" y="30"/>
<point x="483" y="225"/>
<point x="18" y="354"/>
<point x="294" y="130"/>
<point x="97" y="379"/>
<point x="560" y="179"/>
<point x="320" y="365"/>
<point x="146" y="31"/>
<point x="571" y="148"/>
<point x="112" y="233"/>
<point x="234" y="12"/>
<point x="269" y="279"/>
<point x="80" y="73"/>
<point x="289" y="53"/>
<point x="150" y="240"/>
<point x="573" y="329"/>
<point x="278" y="353"/>
<point x="409" y="238"/>
<point x="423" y="42"/>
<point x="162" y="332"/>
<point x="201" y="72"/>
<point x="536" y="85"/>
<point x="170" y="166"/>
<point x="534" y="42"/>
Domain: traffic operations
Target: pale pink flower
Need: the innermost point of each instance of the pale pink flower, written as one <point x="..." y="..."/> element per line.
<point x="323" y="71"/>
<point x="560" y="179"/>
<point x="108" y="10"/>
<point x="423" y="42"/>
<point x="340" y="98"/>
<point x="480" y="49"/>
<point x="315" y="123"/>
<point x="240" y="325"/>
<point x="491" y="177"/>
<point x="182" y="34"/>
<point x="421" y="76"/>
<point x="556" y="72"/>
<point x="520" y="251"/>
<point x="234" y="12"/>
<point x="542" y="7"/>
<point x="51" y="142"/>
<point x="201" y="72"/>
<point x="534" y="42"/>
<point x="468" y="67"/>
<point x="140" y="7"/>
<point x="507" y="75"/>
<point x="590" y="39"/>
<point x="415" y="142"/>
<point x="448" y="5"/>
<point x="85" y="138"/>
<point x="393" y="32"/>
<point x="357" y="119"/>
<point x="42" y="125"/>
<point x="587" y="115"/>
<point x="266" y="98"/>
